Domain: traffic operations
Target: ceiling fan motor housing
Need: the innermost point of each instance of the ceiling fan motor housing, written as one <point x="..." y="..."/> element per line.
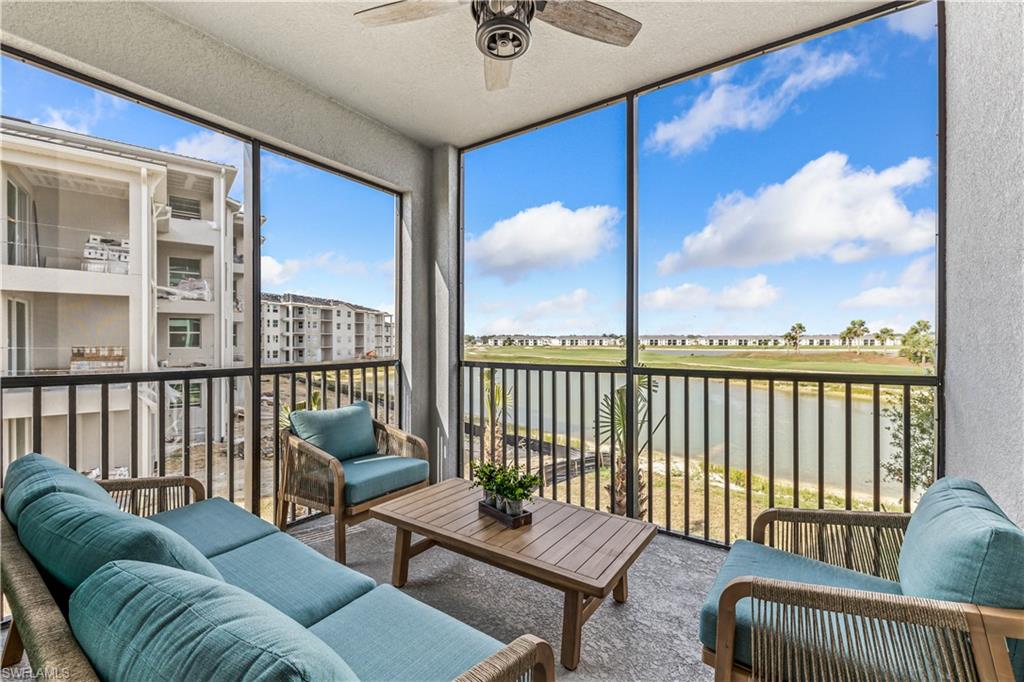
<point x="503" y="27"/>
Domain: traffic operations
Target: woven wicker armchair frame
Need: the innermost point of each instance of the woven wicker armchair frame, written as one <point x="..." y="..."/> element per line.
<point x="39" y="628"/>
<point x="804" y="631"/>
<point x="315" y="479"/>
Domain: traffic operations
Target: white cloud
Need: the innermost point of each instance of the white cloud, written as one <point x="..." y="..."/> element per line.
<point x="755" y="105"/>
<point x="81" y="119"/>
<point x="545" y="236"/>
<point x="827" y="208"/>
<point x="274" y="272"/>
<point x="746" y="294"/>
<point x="918" y="22"/>
<point x="210" y="146"/>
<point x="571" y="310"/>
<point x="916" y="286"/>
<point x="681" y="297"/>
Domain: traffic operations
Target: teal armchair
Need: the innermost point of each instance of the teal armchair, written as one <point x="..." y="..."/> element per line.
<point x="936" y="595"/>
<point x="332" y="463"/>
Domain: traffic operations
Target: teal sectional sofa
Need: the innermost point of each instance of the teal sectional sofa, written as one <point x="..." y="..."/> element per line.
<point x="206" y="590"/>
<point x="936" y="595"/>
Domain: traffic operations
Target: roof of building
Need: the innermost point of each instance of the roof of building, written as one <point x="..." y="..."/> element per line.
<point x="11" y="125"/>
<point x="268" y="297"/>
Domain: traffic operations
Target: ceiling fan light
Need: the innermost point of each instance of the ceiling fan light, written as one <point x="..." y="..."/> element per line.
<point x="505" y="34"/>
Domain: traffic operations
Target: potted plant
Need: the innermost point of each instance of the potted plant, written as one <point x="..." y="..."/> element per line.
<point x="484" y="475"/>
<point x="517" y="488"/>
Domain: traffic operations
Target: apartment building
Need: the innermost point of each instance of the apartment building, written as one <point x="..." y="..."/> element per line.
<point x="115" y="258"/>
<point x="307" y="329"/>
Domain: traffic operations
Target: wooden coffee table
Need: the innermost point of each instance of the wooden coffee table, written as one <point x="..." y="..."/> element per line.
<point x="582" y="552"/>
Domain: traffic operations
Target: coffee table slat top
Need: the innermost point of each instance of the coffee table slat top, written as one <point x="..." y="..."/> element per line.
<point x="565" y="546"/>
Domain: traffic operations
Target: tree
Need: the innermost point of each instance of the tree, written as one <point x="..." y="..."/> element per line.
<point x="469" y="339"/>
<point x="612" y="424"/>
<point x="922" y="442"/>
<point x="855" y="331"/>
<point x="919" y="343"/>
<point x="792" y="337"/>
<point x="508" y="341"/>
<point x="497" y="405"/>
<point x="884" y="335"/>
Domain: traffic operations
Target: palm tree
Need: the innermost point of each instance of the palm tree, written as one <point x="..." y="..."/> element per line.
<point x="284" y="418"/>
<point x="612" y="424"/>
<point x="919" y="343"/>
<point x="498" y="400"/>
<point x="792" y="337"/>
<point x="855" y="331"/>
<point x="885" y="335"/>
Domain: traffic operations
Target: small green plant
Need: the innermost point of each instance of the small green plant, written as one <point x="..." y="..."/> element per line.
<point x="517" y="486"/>
<point x="485" y="475"/>
<point x="284" y="418"/>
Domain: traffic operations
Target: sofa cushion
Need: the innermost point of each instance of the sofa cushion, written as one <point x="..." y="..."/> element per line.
<point x="214" y="526"/>
<point x="387" y="635"/>
<point x="292" y="577"/>
<point x="345" y="432"/>
<point x="32" y="476"/>
<point x="370" y="477"/>
<point x="959" y="546"/>
<point x="71" y="536"/>
<point x="141" y="621"/>
<point x="752" y="559"/>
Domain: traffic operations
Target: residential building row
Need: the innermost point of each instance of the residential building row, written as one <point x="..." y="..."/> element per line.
<point x="307" y="329"/>
<point x="683" y="340"/>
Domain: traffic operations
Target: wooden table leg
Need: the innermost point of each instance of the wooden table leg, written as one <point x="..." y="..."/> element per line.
<point x="621" y="591"/>
<point x="13" y="648"/>
<point x="572" y="629"/>
<point x="400" y="564"/>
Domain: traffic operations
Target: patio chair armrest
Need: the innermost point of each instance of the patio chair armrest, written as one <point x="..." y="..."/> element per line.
<point x="799" y="628"/>
<point x="526" y="658"/>
<point x="309" y="473"/>
<point x="868" y="542"/>
<point x="391" y="440"/>
<point x="153" y="494"/>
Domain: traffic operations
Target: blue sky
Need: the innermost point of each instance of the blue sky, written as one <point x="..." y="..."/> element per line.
<point x="325" y="235"/>
<point x="799" y="186"/>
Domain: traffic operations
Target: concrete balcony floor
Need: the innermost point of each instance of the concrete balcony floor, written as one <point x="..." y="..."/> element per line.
<point x="653" y="636"/>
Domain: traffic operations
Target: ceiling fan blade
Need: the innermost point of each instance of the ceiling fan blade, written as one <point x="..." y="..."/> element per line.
<point x="497" y="73"/>
<point x="590" y="20"/>
<point x="403" y="11"/>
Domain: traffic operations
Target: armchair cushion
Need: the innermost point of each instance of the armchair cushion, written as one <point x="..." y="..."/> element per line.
<point x="71" y="536"/>
<point x="370" y="477"/>
<point x="294" y="578"/>
<point x="33" y="476"/>
<point x="345" y="432"/>
<point x="960" y="546"/>
<point x="141" y="621"/>
<point x="214" y="526"/>
<point x="752" y="559"/>
<point x="388" y="636"/>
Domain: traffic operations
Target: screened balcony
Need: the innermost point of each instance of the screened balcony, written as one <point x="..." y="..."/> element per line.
<point x="599" y="274"/>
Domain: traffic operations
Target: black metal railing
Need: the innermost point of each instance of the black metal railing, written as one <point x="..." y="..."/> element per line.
<point x="713" y="447"/>
<point x="190" y="422"/>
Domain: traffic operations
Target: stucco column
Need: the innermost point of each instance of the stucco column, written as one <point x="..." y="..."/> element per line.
<point x="984" y="353"/>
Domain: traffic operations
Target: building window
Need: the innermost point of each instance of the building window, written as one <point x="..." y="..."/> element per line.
<point x="17" y="225"/>
<point x="195" y="397"/>
<point x="183" y="332"/>
<point x="180" y="269"/>
<point x="185" y="208"/>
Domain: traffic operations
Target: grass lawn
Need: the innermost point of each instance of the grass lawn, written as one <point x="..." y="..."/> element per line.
<point x="865" y="362"/>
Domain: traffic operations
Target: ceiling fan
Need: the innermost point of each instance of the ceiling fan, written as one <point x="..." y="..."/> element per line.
<point x="503" y="26"/>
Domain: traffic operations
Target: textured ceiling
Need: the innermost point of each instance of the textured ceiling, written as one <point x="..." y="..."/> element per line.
<point x="425" y="78"/>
